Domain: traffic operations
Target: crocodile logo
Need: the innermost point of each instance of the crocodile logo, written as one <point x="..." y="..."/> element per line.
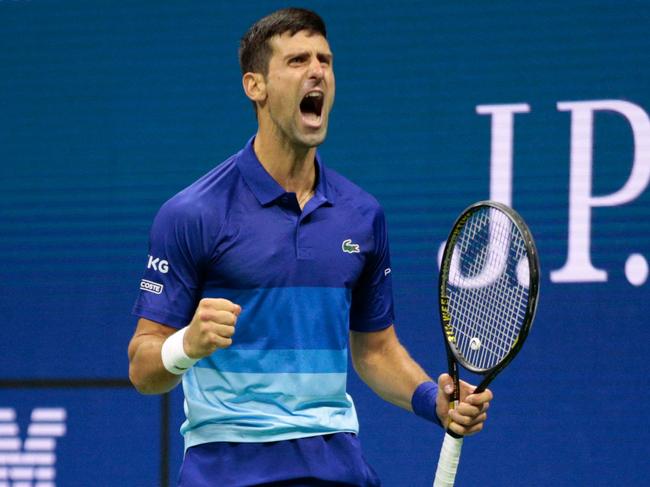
<point x="349" y="247"/>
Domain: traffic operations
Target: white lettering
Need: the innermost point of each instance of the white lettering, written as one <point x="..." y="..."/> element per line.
<point x="495" y="260"/>
<point x="23" y="465"/>
<point x="578" y="266"/>
<point x="158" y="265"/>
<point x="150" y="286"/>
<point x="502" y="148"/>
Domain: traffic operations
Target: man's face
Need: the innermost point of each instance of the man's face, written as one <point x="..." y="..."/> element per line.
<point x="300" y="87"/>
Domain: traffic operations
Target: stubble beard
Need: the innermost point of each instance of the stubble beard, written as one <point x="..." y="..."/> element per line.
<point x="291" y="134"/>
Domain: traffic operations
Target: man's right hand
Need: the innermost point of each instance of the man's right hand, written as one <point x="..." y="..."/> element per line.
<point x="211" y="328"/>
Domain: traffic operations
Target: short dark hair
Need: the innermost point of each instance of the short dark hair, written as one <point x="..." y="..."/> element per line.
<point x="254" y="49"/>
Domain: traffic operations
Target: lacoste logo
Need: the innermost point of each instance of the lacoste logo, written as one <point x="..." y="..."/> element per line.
<point x="349" y="247"/>
<point x="150" y="286"/>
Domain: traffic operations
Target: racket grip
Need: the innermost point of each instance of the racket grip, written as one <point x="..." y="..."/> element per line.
<point x="448" y="461"/>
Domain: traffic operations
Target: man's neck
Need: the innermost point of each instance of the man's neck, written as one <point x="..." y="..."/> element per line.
<point x="292" y="167"/>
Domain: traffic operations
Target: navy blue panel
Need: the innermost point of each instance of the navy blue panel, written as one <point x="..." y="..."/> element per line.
<point x="236" y="228"/>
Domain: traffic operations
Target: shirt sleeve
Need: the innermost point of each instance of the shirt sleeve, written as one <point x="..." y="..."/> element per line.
<point x="372" y="298"/>
<point x="171" y="285"/>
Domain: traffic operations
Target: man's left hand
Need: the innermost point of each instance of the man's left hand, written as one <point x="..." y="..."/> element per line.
<point x="469" y="416"/>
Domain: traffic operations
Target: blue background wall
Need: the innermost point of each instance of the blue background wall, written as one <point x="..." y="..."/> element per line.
<point x="107" y="109"/>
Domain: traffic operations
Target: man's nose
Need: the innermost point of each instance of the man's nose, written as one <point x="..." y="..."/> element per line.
<point x="316" y="70"/>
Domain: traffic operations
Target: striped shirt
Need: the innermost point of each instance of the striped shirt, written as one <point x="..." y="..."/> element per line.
<point x="303" y="278"/>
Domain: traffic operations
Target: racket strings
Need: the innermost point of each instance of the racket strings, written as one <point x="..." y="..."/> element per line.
<point x="496" y="341"/>
<point x="487" y="302"/>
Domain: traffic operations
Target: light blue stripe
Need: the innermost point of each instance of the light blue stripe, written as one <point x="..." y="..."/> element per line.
<point x="228" y="406"/>
<point x="237" y="387"/>
<point x="307" y="318"/>
<point x="277" y="361"/>
<point x="264" y="429"/>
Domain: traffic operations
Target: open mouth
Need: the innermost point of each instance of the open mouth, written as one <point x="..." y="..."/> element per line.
<point x="311" y="107"/>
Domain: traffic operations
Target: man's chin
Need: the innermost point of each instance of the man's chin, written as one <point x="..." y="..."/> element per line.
<point x="313" y="139"/>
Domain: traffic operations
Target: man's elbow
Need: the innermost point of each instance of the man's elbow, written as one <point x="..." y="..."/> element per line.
<point x="140" y="383"/>
<point x="365" y="361"/>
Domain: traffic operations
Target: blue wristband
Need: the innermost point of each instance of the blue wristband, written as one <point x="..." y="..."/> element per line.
<point x="423" y="402"/>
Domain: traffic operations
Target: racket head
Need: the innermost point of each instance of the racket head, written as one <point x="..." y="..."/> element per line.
<point x="488" y="288"/>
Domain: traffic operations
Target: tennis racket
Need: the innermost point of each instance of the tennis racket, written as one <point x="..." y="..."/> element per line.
<point x="488" y="290"/>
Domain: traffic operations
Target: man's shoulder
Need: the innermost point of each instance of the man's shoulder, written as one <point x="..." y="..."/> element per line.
<point x="350" y="193"/>
<point x="207" y="195"/>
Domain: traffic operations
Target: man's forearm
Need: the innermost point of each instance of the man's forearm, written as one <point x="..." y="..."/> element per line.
<point x="386" y="367"/>
<point x="146" y="369"/>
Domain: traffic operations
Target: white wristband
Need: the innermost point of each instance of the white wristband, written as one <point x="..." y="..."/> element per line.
<point x="173" y="354"/>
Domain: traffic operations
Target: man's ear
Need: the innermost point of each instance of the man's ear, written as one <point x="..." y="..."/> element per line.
<point x="254" y="86"/>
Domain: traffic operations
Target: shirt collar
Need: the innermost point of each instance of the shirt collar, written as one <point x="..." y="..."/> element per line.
<point x="264" y="187"/>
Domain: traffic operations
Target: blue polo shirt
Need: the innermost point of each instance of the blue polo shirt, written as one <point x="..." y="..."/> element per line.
<point x="303" y="280"/>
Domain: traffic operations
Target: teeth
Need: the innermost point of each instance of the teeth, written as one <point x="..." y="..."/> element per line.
<point x="314" y="94"/>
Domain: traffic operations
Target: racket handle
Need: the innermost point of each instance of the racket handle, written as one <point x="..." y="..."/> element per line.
<point x="448" y="461"/>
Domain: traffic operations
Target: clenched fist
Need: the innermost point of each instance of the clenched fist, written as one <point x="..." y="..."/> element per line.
<point x="211" y="328"/>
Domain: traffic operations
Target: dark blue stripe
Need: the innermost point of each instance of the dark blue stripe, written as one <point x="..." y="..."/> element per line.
<point x="289" y="318"/>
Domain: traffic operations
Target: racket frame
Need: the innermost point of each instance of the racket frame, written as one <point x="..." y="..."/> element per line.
<point x="453" y="356"/>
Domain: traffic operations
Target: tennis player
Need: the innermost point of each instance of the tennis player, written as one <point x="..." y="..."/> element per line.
<point x="261" y="276"/>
